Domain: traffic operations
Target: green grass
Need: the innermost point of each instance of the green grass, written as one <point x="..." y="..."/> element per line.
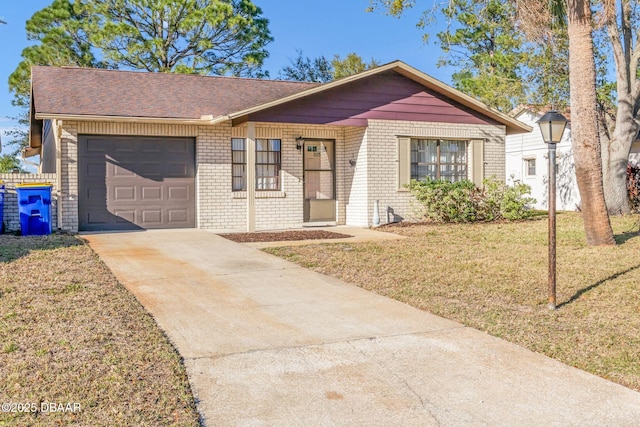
<point x="72" y="334"/>
<point x="493" y="277"/>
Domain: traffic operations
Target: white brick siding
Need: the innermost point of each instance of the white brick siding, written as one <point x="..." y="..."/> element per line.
<point x="69" y="176"/>
<point x="382" y="163"/>
<point x="356" y="182"/>
<point x="372" y="177"/>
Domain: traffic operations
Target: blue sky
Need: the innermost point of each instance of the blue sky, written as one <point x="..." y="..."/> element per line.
<point x="316" y="27"/>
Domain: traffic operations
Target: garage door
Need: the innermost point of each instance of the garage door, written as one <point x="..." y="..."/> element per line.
<point x="128" y="183"/>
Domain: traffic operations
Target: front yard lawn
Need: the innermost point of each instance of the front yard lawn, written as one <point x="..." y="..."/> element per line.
<point x="76" y="347"/>
<point x="493" y="277"/>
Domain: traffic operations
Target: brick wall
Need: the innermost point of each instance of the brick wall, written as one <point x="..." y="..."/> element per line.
<point x="356" y="178"/>
<point x="218" y="208"/>
<point x="11" y="216"/>
<point x="382" y="159"/>
<point x="69" y="176"/>
<point x="274" y="209"/>
<point x="373" y="176"/>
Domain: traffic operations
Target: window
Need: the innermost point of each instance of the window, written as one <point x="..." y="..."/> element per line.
<point x="530" y="167"/>
<point x="238" y="164"/>
<point x="267" y="164"/>
<point x="438" y="159"/>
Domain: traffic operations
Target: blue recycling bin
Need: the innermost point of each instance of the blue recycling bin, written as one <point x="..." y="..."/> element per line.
<point x="1" y="207"/>
<point x="34" y="206"/>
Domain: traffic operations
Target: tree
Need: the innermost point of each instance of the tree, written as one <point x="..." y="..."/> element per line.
<point x="619" y="18"/>
<point x="582" y="80"/>
<point x="321" y="70"/>
<point x="186" y="36"/>
<point x="183" y="36"/>
<point x="10" y="163"/>
<point x="495" y="63"/>
<point x="585" y="139"/>
<point x="62" y="41"/>
<point x="305" y="69"/>
<point x="618" y="103"/>
<point x="350" y="65"/>
<point x="487" y="50"/>
<point x="547" y="70"/>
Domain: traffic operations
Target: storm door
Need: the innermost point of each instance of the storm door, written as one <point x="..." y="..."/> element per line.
<point x="319" y="181"/>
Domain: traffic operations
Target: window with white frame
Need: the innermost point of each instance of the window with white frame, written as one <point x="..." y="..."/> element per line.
<point x="268" y="161"/>
<point x="438" y="159"/>
<point x="530" y="167"/>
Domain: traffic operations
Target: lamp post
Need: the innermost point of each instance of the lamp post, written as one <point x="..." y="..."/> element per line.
<point x="552" y="126"/>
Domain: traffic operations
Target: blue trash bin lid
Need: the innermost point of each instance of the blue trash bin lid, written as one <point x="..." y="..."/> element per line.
<point x="34" y="185"/>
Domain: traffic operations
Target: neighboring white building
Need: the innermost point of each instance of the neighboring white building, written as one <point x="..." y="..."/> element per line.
<point x="527" y="161"/>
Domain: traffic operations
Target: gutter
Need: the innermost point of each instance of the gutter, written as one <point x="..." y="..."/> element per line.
<point x="204" y="120"/>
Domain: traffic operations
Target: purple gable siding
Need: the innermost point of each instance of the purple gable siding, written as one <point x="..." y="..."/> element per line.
<point x="386" y="96"/>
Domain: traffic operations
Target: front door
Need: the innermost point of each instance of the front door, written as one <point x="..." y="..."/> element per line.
<point x="319" y="181"/>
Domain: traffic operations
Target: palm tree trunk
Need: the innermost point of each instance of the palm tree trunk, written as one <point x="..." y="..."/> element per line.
<point x="584" y="131"/>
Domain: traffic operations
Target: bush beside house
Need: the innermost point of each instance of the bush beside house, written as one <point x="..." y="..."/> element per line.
<point x="463" y="201"/>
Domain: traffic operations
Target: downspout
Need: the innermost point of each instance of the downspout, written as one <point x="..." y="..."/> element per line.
<point x="58" y="141"/>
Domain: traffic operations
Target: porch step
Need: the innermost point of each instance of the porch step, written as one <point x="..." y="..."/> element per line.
<point x="320" y="224"/>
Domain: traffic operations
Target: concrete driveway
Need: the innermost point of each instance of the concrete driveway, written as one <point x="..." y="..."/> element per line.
<point x="266" y="342"/>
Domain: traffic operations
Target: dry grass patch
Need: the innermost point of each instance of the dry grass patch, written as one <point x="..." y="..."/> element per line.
<point x="71" y="333"/>
<point x="493" y="277"/>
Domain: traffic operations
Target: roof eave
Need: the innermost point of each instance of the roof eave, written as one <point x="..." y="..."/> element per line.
<point x="513" y="126"/>
<point x="31" y="151"/>
<point x="35" y="125"/>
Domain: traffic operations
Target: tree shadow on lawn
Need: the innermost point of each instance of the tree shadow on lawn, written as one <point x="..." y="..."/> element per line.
<point x="13" y="247"/>
<point x="625" y="236"/>
<point x="583" y="291"/>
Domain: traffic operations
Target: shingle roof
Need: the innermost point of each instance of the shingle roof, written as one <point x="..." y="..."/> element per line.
<point x="96" y="92"/>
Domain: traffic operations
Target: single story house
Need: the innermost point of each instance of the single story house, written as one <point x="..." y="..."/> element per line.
<point x="135" y="150"/>
<point x="527" y="161"/>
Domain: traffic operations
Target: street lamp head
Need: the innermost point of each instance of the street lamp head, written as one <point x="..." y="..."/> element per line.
<point x="552" y="126"/>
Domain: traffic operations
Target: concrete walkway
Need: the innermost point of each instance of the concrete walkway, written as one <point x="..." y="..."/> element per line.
<point x="268" y="343"/>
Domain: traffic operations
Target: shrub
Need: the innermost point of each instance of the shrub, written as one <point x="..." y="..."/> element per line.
<point x="444" y="201"/>
<point x="463" y="201"/>
<point x="633" y="187"/>
<point x="511" y="201"/>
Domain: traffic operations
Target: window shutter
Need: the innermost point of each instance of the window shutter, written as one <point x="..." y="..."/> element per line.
<point x="404" y="162"/>
<point x="477" y="161"/>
